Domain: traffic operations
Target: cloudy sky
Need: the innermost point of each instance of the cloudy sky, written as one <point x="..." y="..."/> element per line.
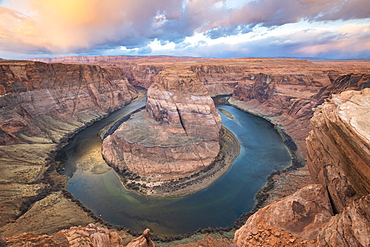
<point x="203" y="28"/>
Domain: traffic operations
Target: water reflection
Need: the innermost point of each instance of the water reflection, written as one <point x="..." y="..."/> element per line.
<point x="98" y="187"/>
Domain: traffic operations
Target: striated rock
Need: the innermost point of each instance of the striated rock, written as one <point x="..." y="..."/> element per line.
<point x="76" y="236"/>
<point x="349" y="228"/>
<point x="43" y="102"/>
<point x="287" y="99"/>
<point x="42" y="105"/>
<point x="338" y="147"/>
<point x="178" y="135"/>
<point x="302" y="214"/>
<point x="90" y="235"/>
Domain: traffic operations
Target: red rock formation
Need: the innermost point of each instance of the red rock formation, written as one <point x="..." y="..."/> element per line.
<point x="338" y="147"/>
<point x="142" y="241"/>
<point x="302" y="214"/>
<point x="41" y="105"/>
<point x="47" y="101"/>
<point x="177" y="137"/>
<point x="349" y="228"/>
<point x="77" y="236"/>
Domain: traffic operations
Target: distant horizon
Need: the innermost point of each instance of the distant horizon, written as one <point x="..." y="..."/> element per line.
<point x="335" y="29"/>
<point x="184" y="56"/>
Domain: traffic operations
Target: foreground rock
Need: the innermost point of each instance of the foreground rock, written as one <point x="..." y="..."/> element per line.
<point x="338" y="157"/>
<point x="349" y="228"/>
<point x="338" y="148"/>
<point x="76" y="236"/>
<point x="177" y="136"/>
<point x="302" y="214"/>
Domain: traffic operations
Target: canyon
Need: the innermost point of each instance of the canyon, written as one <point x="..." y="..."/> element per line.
<point x="43" y="104"/>
<point x="176" y="137"/>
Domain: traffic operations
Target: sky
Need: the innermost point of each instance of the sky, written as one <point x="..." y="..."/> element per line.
<point x="334" y="29"/>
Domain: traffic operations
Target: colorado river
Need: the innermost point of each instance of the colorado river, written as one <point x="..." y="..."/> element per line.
<point x="98" y="187"/>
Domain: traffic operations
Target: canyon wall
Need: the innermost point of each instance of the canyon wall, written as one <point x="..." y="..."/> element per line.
<point x="287" y="100"/>
<point x="338" y="147"/>
<point x="336" y="211"/>
<point x="177" y="136"/>
<point x="42" y="105"/>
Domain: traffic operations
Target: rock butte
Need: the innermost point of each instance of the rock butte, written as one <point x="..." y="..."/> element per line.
<point x="43" y="104"/>
<point x="177" y="136"/>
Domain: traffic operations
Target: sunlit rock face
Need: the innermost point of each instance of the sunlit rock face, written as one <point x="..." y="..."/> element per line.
<point x="338" y="147"/>
<point x="301" y="215"/>
<point x="178" y="135"/>
<point x="77" y="236"/>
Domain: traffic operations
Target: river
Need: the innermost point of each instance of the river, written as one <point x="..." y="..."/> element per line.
<point x="98" y="187"/>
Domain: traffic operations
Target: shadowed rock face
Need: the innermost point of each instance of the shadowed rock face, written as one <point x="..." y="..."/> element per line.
<point x="42" y="102"/>
<point x="287" y="100"/>
<point x="176" y="137"/>
<point x="41" y="105"/>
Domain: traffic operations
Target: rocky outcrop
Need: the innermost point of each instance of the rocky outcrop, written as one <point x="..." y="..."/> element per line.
<point x="287" y="99"/>
<point x="176" y="137"/>
<point x="349" y="228"/>
<point x="338" y="147"/>
<point x="302" y="214"/>
<point x="142" y="241"/>
<point x="41" y="105"/>
<point x="43" y="102"/>
<point x="338" y="152"/>
<point x="76" y="236"/>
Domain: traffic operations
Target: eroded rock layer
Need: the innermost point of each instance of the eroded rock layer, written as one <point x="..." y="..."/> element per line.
<point x="41" y="105"/>
<point x="287" y="99"/>
<point x="338" y="147"/>
<point x="176" y="137"/>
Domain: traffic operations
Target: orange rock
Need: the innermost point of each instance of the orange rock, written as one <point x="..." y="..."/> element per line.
<point x="176" y="137"/>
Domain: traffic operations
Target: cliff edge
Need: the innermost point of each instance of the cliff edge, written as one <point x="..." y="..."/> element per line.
<point x="336" y="211"/>
<point x="177" y="136"/>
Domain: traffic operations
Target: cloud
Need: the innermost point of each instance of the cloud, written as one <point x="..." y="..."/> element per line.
<point x="93" y="26"/>
<point x="68" y="25"/>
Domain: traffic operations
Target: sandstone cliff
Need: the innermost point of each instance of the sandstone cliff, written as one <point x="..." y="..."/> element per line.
<point x="338" y="147"/>
<point x="287" y="100"/>
<point x="338" y="153"/>
<point x="42" y="105"/>
<point x="176" y="137"/>
<point x="43" y="102"/>
<point x="292" y="221"/>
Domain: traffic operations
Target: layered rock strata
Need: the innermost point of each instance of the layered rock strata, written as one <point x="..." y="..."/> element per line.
<point x="77" y="236"/>
<point x="338" y="153"/>
<point x="338" y="147"/>
<point x="178" y="135"/>
<point x="287" y="100"/>
<point x="41" y="105"/>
